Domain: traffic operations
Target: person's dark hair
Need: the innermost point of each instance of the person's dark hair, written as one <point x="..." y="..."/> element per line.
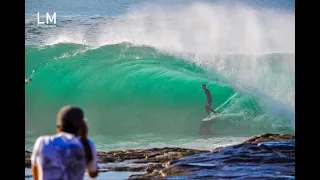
<point x="70" y="119"/>
<point x="87" y="149"/>
<point x="203" y="85"/>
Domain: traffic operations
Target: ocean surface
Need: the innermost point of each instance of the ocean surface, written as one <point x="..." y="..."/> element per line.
<point x="136" y="68"/>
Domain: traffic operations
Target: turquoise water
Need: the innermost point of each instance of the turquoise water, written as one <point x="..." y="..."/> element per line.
<point x="129" y="90"/>
<point x="136" y="68"/>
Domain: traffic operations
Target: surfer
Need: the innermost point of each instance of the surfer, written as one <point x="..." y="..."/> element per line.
<point x="209" y="100"/>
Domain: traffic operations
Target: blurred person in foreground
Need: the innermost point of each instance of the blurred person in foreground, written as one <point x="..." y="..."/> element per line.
<point x="68" y="154"/>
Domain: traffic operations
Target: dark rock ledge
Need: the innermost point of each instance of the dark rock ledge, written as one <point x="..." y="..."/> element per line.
<point x="265" y="156"/>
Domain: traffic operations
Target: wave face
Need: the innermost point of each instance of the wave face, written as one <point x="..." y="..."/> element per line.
<point x="134" y="89"/>
<point x="142" y="72"/>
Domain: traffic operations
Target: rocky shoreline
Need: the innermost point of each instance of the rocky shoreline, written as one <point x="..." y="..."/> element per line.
<point x="266" y="156"/>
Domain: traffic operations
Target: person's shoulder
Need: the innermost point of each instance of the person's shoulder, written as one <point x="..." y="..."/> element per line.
<point x="56" y="139"/>
<point x="65" y="135"/>
<point x="41" y="141"/>
<point x="67" y="138"/>
<point x="43" y="138"/>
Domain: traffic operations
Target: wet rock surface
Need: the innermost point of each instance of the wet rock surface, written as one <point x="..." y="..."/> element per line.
<point x="27" y="162"/>
<point x="265" y="156"/>
<point x="269" y="138"/>
<point x="139" y="160"/>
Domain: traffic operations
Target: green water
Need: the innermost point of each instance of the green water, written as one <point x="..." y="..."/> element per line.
<point x="127" y="91"/>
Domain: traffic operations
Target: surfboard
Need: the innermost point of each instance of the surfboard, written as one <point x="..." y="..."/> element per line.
<point x="212" y="116"/>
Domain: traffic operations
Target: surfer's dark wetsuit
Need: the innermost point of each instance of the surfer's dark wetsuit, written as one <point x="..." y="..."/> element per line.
<point x="205" y="126"/>
<point x="209" y="101"/>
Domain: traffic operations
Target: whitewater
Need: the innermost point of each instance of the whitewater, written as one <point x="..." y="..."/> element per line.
<point x="138" y="75"/>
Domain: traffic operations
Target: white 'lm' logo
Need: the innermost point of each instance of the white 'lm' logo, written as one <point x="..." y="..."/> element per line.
<point x="52" y="19"/>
